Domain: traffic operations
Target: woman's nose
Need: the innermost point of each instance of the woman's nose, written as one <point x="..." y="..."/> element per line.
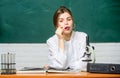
<point x="66" y="22"/>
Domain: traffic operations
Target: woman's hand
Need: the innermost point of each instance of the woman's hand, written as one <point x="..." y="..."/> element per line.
<point x="46" y="66"/>
<point x="59" y="32"/>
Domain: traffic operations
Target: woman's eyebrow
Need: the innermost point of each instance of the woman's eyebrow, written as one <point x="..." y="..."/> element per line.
<point x="70" y="17"/>
<point x="60" y="18"/>
<point x="67" y="17"/>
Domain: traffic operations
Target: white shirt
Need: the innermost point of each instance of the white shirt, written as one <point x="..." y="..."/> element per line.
<point x="73" y="54"/>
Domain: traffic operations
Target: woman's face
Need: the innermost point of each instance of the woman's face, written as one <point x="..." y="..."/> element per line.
<point x="66" y="22"/>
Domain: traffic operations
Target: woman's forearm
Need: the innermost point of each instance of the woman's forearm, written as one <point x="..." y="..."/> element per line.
<point x="61" y="44"/>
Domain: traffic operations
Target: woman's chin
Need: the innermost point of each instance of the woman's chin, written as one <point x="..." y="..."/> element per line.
<point x="67" y="32"/>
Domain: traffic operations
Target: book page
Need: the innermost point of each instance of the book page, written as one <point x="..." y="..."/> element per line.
<point x="31" y="70"/>
<point x="62" y="71"/>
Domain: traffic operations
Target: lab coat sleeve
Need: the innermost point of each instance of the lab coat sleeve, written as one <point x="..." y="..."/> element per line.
<point x="56" y="56"/>
<point x="83" y="64"/>
<point x="79" y="63"/>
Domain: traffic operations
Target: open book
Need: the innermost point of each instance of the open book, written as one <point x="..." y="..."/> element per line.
<point x="33" y="70"/>
<point x="62" y="71"/>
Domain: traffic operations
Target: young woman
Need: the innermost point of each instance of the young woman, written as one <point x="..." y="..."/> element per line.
<point x="66" y="47"/>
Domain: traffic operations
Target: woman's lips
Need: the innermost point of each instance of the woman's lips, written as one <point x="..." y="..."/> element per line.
<point x="67" y="28"/>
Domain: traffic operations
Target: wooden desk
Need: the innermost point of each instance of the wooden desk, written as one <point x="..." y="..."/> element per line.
<point x="59" y="75"/>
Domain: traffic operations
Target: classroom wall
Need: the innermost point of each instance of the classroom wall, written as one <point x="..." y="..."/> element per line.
<point x="25" y="25"/>
<point x="35" y="55"/>
<point x="30" y="21"/>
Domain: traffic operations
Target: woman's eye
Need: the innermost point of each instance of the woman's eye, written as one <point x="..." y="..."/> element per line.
<point x="61" y="21"/>
<point x="69" y="19"/>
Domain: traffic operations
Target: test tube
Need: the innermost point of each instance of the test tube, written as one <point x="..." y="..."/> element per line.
<point x="1" y="62"/>
<point x="14" y="63"/>
<point x="11" y="62"/>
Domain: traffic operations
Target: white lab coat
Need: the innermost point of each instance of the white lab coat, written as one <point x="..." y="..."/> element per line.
<point x="73" y="54"/>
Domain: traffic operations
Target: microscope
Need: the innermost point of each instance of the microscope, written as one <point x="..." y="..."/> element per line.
<point x="89" y="54"/>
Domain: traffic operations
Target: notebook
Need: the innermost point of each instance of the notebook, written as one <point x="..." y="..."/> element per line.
<point x="37" y="70"/>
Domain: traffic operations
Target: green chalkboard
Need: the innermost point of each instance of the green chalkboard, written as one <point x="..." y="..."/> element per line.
<point x="30" y="21"/>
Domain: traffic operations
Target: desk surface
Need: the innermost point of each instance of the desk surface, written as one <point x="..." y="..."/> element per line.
<point x="61" y="75"/>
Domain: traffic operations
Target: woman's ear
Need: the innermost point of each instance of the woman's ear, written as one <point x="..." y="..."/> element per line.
<point x="74" y="27"/>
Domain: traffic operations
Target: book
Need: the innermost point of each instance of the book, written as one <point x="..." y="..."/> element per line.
<point x="34" y="70"/>
<point x="65" y="71"/>
<point x="31" y="70"/>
